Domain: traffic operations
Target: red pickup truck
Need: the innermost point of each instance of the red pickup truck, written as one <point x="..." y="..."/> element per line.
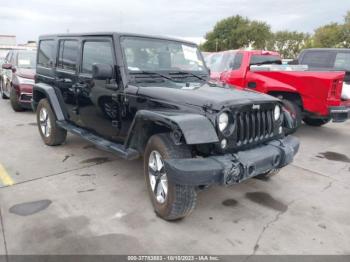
<point x="312" y="96"/>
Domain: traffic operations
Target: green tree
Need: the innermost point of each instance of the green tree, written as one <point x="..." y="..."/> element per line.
<point x="288" y="44"/>
<point x="346" y="30"/>
<point x="237" y="32"/>
<point x="331" y="35"/>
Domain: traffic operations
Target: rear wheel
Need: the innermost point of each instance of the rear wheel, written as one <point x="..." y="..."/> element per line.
<point x="50" y="132"/>
<point x="296" y="113"/>
<point x="170" y="201"/>
<point x="14" y="99"/>
<point x="315" y="121"/>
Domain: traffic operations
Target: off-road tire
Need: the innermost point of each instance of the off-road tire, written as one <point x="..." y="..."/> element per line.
<point x="181" y="199"/>
<point x="16" y="106"/>
<point x="267" y="175"/>
<point x="315" y="121"/>
<point x="295" y="109"/>
<point x="58" y="135"/>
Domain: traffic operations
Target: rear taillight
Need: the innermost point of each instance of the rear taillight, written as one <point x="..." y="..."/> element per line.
<point x="335" y="91"/>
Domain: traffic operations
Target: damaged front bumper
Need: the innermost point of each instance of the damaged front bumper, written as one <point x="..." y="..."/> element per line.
<point x="232" y="168"/>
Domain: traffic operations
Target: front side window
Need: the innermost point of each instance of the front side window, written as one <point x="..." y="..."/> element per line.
<point x="237" y="61"/>
<point x="46" y="53"/>
<point x="26" y="59"/>
<point x="68" y="55"/>
<point x="144" y="54"/>
<point x="96" y="52"/>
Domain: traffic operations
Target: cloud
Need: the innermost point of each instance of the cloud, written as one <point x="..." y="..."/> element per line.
<point x="30" y="18"/>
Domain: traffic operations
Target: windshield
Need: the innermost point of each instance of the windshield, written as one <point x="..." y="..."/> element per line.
<point x="145" y="54"/>
<point x="26" y="59"/>
<point x="220" y="62"/>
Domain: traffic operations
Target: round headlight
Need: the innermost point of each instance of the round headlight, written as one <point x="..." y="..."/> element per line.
<point x="277" y="113"/>
<point x="223" y="121"/>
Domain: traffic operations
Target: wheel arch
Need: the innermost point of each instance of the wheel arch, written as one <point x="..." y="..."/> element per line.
<point x="41" y="91"/>
<point x="291" y="96"/>
<point x="180" y="126"/>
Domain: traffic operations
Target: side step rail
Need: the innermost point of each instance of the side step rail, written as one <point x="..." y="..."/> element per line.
<point x="118" y="149"/>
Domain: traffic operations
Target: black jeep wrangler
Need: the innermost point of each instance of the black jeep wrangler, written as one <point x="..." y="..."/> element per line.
<point x="137" y="96"/>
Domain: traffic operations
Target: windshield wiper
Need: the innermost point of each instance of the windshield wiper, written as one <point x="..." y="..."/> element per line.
<point x="189" y="73"/>
<point x="145" y="72"/>
<point x="197" y="76"/>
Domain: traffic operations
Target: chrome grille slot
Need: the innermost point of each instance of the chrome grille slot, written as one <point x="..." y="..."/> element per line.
<point x="253" y="126"/>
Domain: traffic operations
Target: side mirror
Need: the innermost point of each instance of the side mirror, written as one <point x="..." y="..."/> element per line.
<point x="6" y="66"/>
<point x="102" y="71"/>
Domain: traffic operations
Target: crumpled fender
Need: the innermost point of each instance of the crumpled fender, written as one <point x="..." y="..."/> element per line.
<point x="196" y="128"/>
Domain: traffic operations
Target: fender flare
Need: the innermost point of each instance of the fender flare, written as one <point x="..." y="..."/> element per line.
<point x="51" y="95"/>
<point x="195" y="128"/>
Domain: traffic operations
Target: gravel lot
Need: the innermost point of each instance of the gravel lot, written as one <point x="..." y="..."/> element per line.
<point x="76" y="199"/>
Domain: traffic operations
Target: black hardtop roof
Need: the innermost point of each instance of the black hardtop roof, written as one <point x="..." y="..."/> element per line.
<point x="117" y="34"/>
<point x="327" y="49"/>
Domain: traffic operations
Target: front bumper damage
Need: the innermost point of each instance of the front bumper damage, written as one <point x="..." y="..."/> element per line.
<point x="340" y="113"/>
<point x="232" y="168"/>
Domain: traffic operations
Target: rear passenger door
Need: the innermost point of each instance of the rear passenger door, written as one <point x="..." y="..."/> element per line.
<point x="98" y="107"/>
<point x="66" y="76"/>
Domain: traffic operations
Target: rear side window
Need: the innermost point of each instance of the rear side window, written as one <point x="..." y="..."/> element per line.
<point x="68" y="55"/>
<point x="98" y="52"/>
<point x="320" y="59"/>
<point x="265" y="60"/>
<point x="46" y="53"/>
<point x="342" y="61"/>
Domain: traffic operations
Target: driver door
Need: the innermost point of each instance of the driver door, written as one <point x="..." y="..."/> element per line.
<point x="99" y="108"/>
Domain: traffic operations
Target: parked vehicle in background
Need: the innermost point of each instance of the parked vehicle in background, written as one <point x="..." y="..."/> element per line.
<point x="314" y="97"/>
<point x="137" y="95"/>
<point x="206" y="55"/>
<point x="18" y="71"/>
<point x="328" y="59"/>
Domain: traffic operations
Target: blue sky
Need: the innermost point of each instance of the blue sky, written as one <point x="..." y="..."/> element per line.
<point x="30" y="18"/>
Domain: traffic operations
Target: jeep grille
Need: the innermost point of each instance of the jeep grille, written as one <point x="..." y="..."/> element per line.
<point x="254" y="126"/>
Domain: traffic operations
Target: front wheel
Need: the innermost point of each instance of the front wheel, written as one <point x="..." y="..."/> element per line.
<point x="16" y="106"/>
<point x="50" y="132"/>
<point x="315" y="121"/>
<point x="170" y="201"/>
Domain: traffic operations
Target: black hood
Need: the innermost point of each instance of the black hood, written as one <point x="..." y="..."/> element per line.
<point x="216" y="97"/>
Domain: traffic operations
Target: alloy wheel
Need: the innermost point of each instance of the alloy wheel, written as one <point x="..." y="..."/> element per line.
<point x="157" y="176"/>
<point x="45" y="124"/>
